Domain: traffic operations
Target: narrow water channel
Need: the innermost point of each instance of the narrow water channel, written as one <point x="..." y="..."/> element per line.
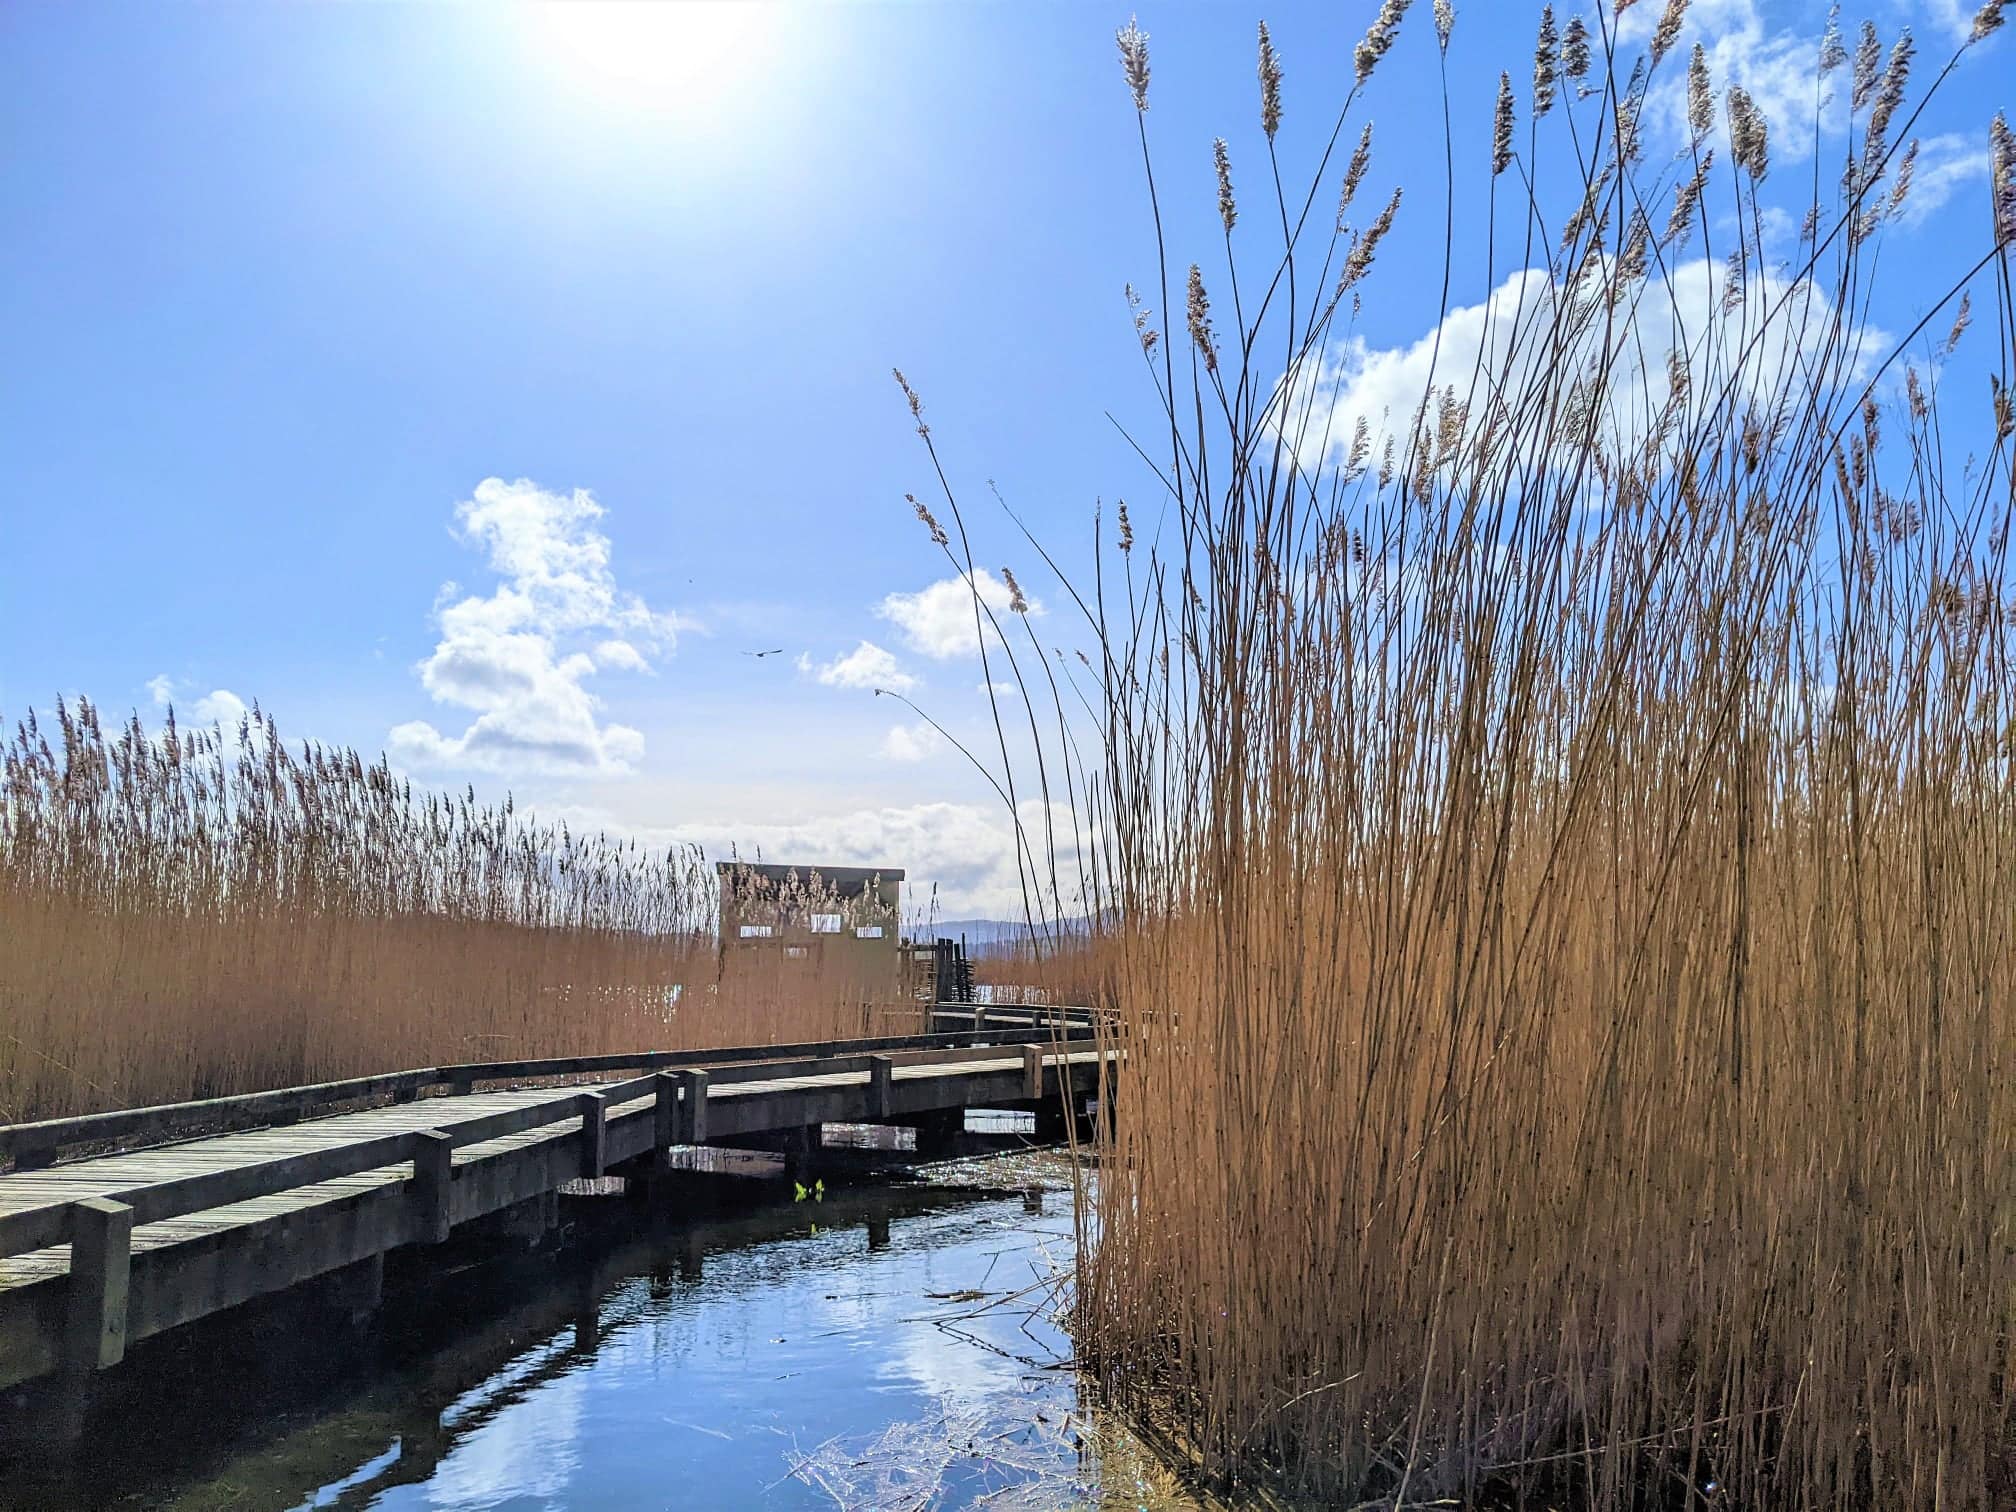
<point x="869" y="1345"/>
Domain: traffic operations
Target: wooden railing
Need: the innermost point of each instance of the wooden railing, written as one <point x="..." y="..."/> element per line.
<point x="99" y="1229"/>
<point x="30" y="1145"/>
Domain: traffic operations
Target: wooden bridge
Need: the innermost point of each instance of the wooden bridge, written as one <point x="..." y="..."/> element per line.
<point x="262" y="1192"/>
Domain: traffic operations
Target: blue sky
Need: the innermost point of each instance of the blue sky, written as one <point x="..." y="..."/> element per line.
<point x="285" y="285"/>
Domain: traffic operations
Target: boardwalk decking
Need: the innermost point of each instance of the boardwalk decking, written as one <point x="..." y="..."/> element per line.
<point x="101" y="1251"/>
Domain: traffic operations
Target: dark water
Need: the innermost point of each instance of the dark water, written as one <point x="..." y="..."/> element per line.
<point x="885" y="1346"/>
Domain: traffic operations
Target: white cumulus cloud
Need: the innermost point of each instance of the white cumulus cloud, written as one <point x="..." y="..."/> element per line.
<point x="966" y="851"/>
<point x="939" y="621"/>
<point x="866" y="666"/>
<point x="220" y="706"/>
<point x="1513" y="336"/>
<point x="912" y="742"/>
<point x="520" y="656"/>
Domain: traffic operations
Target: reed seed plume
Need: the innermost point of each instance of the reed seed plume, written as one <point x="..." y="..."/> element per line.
<point x="1228" y="207"/>
<point x="1900" y="182"/>
<point x="1379" y="37"/>
<point x="1888" y="99"/>
<point x="910" y="398"/>
<point x="1575" y="49"/>
<point x="1199" y="314"/>
<point x="929" y="521"/>
<point x="1133" y="44"/>
<point x="1833" y="53"/>
<point x="1445" y="23"/>
<point x="1667" y="32"/>
<point x="2002" y="179"/>
<point x="1962" y="318"/>
<point x="1358" y="261"/>
<point x="1143" y="317"/>
<point x="1988" y="20"/>
<point x="1354" y="174"/>
<point x="1868" y="58"/>
<point x="1270" y="85"/>
<point x="1501" y="127"/>
<point x="1700" y="95"/>
<point x="1749" y="141"/>
<point x="1544" y="48"/>
<point x="1017" y="604"/>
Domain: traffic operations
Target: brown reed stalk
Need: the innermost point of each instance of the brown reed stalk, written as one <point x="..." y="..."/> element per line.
<point x="1556" y="890"/>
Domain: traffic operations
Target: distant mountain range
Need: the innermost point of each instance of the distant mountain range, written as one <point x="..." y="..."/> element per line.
<point x="989" y="936"/>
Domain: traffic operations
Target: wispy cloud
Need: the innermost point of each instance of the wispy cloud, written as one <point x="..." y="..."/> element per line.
<point x="520" y="655"/>
<point x="1778" y="67"/>
<point x="1945" y="163"/>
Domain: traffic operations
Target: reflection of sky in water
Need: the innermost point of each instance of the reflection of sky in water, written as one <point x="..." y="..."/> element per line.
<point x="708" y="1393"/>
<point x="887" y="1347"/>
<point x="524" y="1457"/>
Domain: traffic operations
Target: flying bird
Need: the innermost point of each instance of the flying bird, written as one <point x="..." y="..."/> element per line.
<point x="778" y="651"/>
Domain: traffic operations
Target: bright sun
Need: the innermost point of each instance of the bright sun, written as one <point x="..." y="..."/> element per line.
<point x="673" y="55"/>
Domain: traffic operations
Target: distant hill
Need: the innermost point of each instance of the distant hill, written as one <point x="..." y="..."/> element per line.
<point x="988" y="936"/>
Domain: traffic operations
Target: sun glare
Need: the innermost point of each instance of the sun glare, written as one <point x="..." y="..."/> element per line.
<point x="671" y="55"/>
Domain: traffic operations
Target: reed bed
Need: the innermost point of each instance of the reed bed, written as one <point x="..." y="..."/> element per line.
<point x="1554" y="851"/>
<point x="191" y="913"/>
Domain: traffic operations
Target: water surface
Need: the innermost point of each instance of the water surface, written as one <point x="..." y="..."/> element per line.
<point x="879" y="1346"/>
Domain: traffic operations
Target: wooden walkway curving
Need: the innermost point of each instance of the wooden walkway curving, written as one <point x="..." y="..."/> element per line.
<point x="100" y="1251"/>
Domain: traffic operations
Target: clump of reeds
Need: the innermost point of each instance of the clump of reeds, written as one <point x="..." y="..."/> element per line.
<point x="1555" y="849"/>
<point x="189" y="913"/>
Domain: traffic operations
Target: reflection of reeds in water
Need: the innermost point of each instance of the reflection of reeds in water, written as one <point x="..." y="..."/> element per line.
<point x="1561" y="838"/>
<point x="192" y="913"/>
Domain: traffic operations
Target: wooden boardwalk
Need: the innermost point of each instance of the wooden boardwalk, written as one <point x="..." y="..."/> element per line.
<point x="100" y="1251"/>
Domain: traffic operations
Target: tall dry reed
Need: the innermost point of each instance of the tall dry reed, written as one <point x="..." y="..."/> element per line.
<point x="194" y="913"/>
<point x="1554" y="846"/>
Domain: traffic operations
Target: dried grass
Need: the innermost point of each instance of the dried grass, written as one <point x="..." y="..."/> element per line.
<point x="193" y="913"/>
<point x="1556" y="879"/>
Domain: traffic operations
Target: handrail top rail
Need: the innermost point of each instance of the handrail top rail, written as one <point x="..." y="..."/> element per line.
<point x="47" y="1135"/>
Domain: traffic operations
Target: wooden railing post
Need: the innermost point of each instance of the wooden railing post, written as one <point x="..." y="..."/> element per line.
<point x="594" y="1134"/>
<point x="692" y="1123"/>
<point x="665" y="1112"/>
<point x="1032" y="1071"/>
<point x="881" y="1083"/>
<point x="101" y="1264"/>
<point x="433" y="1184"/>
